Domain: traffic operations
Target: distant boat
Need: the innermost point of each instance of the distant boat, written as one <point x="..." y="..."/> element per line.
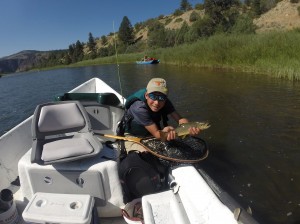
<point x="148" y="61"/>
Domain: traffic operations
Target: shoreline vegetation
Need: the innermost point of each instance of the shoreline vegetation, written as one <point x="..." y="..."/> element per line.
<point x="276" y="54"/>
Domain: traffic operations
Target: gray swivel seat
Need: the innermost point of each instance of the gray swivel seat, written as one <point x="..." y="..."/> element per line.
<point x="62" y="132"/>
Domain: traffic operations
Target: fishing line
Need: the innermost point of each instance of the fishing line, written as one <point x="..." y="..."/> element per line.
<point x="119" y="77"/>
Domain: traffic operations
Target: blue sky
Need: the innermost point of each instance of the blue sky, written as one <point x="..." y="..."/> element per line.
<point x="55" y="24"/>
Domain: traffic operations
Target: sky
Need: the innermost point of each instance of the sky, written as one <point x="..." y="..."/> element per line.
<point x="45" y="25"/>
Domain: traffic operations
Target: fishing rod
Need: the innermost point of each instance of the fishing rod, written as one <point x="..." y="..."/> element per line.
<point x="119" y="77"/>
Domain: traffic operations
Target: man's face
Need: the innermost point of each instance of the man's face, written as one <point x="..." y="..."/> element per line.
<point x="156" y="100"/>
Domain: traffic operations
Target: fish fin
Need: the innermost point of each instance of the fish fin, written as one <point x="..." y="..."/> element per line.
<point x="249" y="210"/>
<point x="237" y="213"/>
<point x="163" y="136"/>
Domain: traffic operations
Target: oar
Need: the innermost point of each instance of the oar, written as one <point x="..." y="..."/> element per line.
<point x="139" y="141"/>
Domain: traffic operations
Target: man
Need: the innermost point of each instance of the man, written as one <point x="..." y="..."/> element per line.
<point x="141" y="173"/>
<point x="146" y="109"/>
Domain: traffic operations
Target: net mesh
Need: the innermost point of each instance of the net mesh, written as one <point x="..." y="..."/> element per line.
<point x="188" y="148"/>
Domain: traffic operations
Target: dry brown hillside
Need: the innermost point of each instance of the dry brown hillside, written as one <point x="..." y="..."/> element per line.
<point x="175" y="22"/>
<point x="170" y="21"/>
<point x="284" y="16"/>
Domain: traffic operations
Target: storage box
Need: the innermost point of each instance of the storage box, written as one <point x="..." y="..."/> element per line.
<point x="96" y="176"/>
<point x="59" y="208"/>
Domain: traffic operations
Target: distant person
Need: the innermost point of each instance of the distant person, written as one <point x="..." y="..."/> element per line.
<point x="146" y="109"/>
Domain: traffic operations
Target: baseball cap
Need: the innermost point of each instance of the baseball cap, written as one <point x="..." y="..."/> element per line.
<point x="157" y="85"/>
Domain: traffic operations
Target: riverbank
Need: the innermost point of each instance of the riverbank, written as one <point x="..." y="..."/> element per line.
<point x="275" y="54"/>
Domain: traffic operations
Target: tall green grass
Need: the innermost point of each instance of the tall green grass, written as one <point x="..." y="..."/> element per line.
<point x="276" y="54"/>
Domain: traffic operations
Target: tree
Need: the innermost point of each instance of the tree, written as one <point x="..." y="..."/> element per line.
<point x="156" y="35"/>
<point x="222" y="12"/>
<point x="103" y="40"/>
<point x="244" y="24"/>
<point x="103" y="52"/>
<point x="180" y="34"/>
<point x="78" y="53"/>
<point x="92" y="46"/>
<point x="71" y="53"/>
<point x="201" y="28"/>
<point x="126" y="31"/>
<point x="258" y="7"/>
<point x="194" y="16"/>
<point x="199" y="6"/>
<point x="185" y="5"/>
<point x="67" y="59"/>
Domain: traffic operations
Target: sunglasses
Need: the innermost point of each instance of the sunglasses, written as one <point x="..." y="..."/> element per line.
<point x="155" y="97"/>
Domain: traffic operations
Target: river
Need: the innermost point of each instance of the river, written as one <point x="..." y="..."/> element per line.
<point x="254" y="136"/>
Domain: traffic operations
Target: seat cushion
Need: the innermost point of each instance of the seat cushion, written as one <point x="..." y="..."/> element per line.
<point x="60" y="117"/>
<point x="66" y="148"/>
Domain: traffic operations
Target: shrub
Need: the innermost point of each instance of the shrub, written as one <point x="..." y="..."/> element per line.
<point x="178" y="12"/>
<point x="294" y="1"/>
<point x="161" y="16"/>
<point x="178" y="20"/>
<point x="243" y="24"/>
<point x="138" y="26"/>
<point x="168" y="21"/>
<point x="199" y="6"/>
<point x="194" y="16"/>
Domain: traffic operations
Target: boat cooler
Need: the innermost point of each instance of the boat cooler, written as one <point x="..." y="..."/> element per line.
<point x="59" y="208"/>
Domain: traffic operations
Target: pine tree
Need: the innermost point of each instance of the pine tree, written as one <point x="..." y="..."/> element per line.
<point x="126" y="31"/>
<point x="185" y="5"/>
<point x="78" y="51"/>
<point x="92" y="46"/>
<point x="71" y="53"/>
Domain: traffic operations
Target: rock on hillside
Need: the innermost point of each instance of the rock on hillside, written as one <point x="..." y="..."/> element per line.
<point x="284" y="16"/>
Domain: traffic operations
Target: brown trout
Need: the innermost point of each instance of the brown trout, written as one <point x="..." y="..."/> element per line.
<point x="183" y="129"/>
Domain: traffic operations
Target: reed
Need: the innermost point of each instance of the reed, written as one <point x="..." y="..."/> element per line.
<point x="276" y="54"/>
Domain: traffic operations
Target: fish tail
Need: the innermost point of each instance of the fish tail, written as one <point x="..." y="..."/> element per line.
<point x="163" y="136"/>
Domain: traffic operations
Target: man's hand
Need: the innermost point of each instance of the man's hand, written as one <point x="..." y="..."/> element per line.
<point x="194" y="131"/>
<point x="171" y="132"/>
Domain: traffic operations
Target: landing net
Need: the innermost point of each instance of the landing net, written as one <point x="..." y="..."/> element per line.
<point x="188" y="149"/>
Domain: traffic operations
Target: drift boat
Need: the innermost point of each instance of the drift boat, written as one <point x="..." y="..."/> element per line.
<point x="72" y="176"/>
<point x="148" y="61"/>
